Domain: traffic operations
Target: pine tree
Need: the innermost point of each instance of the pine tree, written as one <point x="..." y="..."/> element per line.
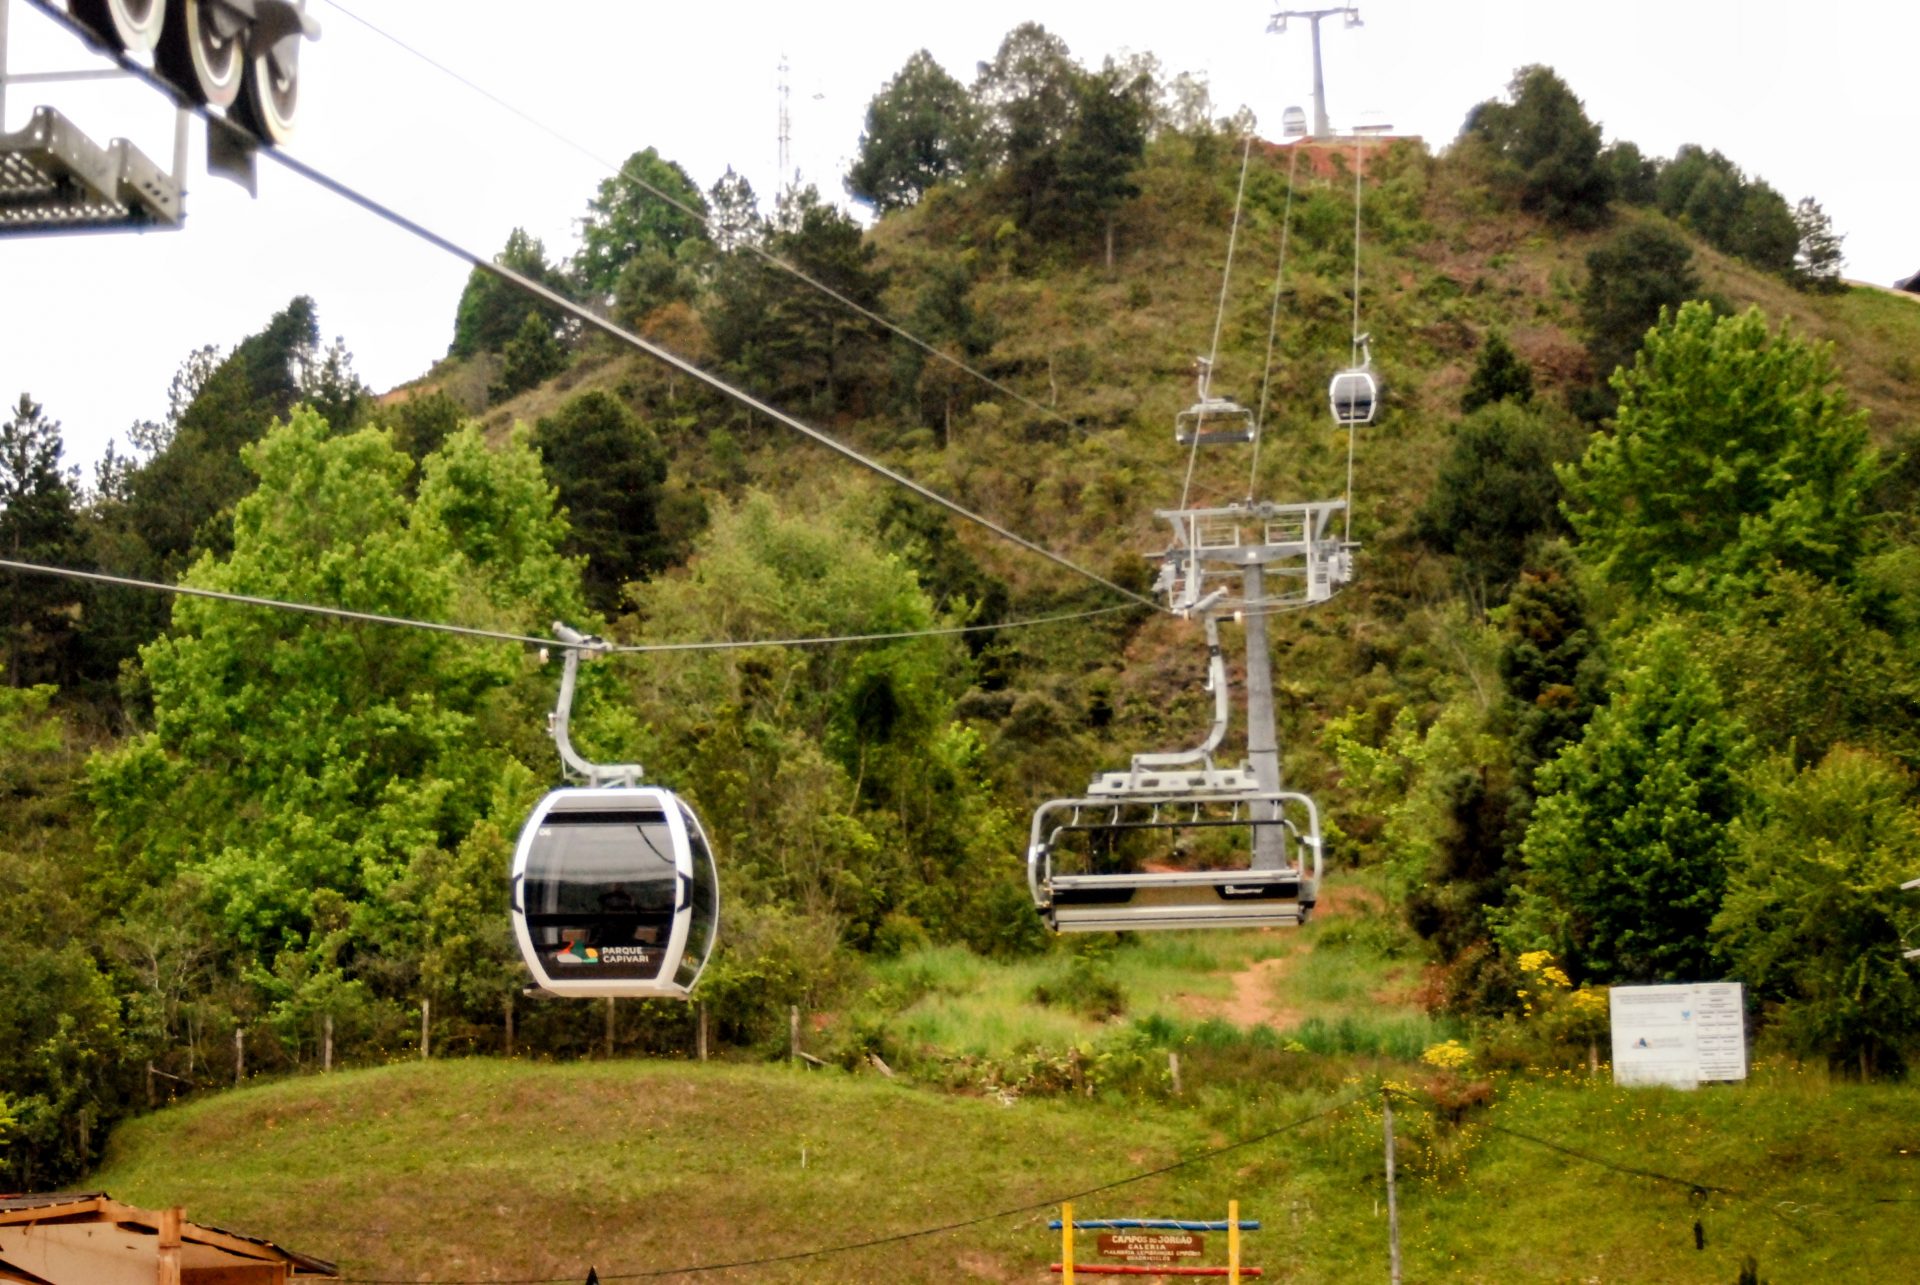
<point x="37" y="525"/>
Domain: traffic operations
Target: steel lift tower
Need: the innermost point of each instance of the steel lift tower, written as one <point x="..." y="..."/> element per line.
<point x="1278" y="26"/>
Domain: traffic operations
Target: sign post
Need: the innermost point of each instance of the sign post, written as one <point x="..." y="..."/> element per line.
<point x="1152" y="1246"/>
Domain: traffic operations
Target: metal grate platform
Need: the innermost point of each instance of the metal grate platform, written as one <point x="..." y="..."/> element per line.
<point x="53" y="178"/>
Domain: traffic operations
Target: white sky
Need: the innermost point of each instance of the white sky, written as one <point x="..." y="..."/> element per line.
<point x="94" y="326"/>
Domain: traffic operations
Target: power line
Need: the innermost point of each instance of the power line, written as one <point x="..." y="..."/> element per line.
<point x="526" y="640"/>
<point x="899" y="1237"/>
<point x="785" y="265"/>
<point x="1692" y="1185"/>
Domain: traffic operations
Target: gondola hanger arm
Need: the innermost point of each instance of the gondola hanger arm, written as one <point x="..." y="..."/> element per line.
<point x="557" y="722"/>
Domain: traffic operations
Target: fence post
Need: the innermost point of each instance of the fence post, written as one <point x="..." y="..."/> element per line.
<point x="426" y="1019"/>
<point x="1393" y="1209"/>
<point x="793" y="1033"/>
<point x="239" y="1055"/>
<point x="326" y="1043"/>
<point x="150" y="1100"/>
<point x="700" y="1030"/>
<point x="1173" y="1071"/>
<point x="609" y="1036"/>
<point x="168" y="1270"/>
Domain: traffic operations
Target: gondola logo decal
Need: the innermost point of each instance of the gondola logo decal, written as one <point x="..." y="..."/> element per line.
<point x="576" y="951"/>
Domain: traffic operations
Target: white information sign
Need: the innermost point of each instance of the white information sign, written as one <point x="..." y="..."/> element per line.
<point x="1678" y="1035"/>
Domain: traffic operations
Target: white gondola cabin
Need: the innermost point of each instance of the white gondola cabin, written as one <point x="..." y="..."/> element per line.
<point x="614" y="888"/>
<point x="1354" y="396"/>
<point x="1354" y="393"/>
<point x="615" y="893"/>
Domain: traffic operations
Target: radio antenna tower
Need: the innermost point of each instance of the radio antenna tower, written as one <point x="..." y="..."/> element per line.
<point x="1278" y="26"/>
<point x="786" y="129"/>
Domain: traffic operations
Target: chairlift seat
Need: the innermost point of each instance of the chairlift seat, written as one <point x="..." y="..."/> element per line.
<point x="1116" y="901"/>
<point x="1213" y="421"/>
<point x="1179" y="899"/>
<point x="614" y="893"/>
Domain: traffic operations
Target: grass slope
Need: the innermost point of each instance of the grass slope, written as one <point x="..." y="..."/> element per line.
<point x="492" y="1170"/>
<point x="486" y="1170"/>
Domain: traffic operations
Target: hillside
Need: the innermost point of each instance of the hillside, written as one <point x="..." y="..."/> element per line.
<point x="489" y="1170"/>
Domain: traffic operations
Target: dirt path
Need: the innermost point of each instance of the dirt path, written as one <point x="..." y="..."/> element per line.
<point x="1259" y="997"/>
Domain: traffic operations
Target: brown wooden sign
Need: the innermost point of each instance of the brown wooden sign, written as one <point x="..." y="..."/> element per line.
<point x="1152" y="1246"/>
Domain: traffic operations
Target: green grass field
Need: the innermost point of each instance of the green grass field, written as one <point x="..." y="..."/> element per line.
<point x="490" y="1170"/>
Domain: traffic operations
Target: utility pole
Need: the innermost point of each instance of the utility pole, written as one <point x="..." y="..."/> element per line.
<point x="1278" y="26"/>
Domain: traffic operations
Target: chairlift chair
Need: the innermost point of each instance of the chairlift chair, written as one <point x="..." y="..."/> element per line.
<point x="614" y="889"/>
<point x="1227" y="896"/>
<point x="1184" y="797"/>
<point x="1212" y="421"/>
<point x="1355" y="393"/>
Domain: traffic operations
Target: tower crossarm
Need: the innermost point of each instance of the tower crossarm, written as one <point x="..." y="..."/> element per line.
<point x="1295" y="544"/>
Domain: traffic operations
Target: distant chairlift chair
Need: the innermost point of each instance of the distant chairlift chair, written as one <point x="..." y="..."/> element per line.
<point x="1212" y="421"/>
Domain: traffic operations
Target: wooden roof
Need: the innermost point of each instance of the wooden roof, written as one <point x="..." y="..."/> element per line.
<point x="85" y="1238"/>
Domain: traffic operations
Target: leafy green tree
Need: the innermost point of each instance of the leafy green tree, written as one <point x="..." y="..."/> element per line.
<point x="533" y="356"/>
<point x="1547" y="148"/>
<point x="1635" y="177"/>
<point x="656" y="277"/>
<point x="788" y="339"/>
<point x="1552" y="668"/>
<point x="1108" y="137"/>
<point x="422" y="422"/>
<point x="734" y="219"/>
<point x="1027" y="96"/>
<point x="1814" y="919"/>
<point x="1628" y="849"/>
<point x="920" y="132"/>
<point x="929" y="390"/>
<point x="1744" y="217"/>
<point x="297" y="771"/>
<point x="1817" y="256"/>
<point x="607" y="468"/>
<point x="1766" y="235"/>
<point x="491" y="310"/>
<point x="1500" y="375"/>
<point x="650" y="202"/>
<point x="1644" y="269"/>
<point x="1810" y="666"/>
<point x="64" y="1048"/>
<point x="834" y="780"/>
<point x="1495" y="494"/>
<point x="38" y="524"/>
<point x="1734" y="451"/>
